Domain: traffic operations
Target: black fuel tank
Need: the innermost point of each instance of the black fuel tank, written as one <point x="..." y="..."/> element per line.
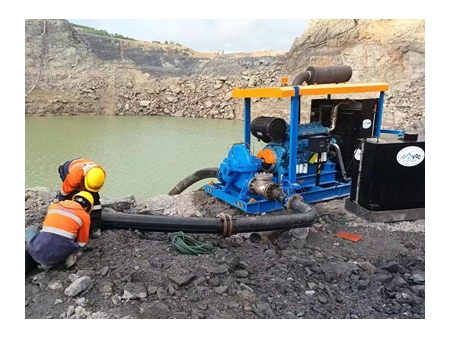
<point x="392" y="175"/>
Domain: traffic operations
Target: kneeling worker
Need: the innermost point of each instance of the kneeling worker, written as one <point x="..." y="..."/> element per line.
<point x="65" y="231"/>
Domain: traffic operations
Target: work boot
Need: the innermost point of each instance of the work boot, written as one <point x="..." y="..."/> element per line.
<point x="72" y="259"/>
<point x="96" y="233"/>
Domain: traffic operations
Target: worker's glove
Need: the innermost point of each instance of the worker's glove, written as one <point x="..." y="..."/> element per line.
<point x="96" y="224"/>
<point x="59" y="197"/>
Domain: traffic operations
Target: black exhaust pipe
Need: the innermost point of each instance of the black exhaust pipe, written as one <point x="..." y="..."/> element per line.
<point x="322" y="75"/>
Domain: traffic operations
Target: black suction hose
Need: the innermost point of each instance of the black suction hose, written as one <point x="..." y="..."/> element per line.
<point x="304" y="216"/>
<point x="194" y="178"/>
<point x="120" y="220"/>
<point x="299" y="219"/>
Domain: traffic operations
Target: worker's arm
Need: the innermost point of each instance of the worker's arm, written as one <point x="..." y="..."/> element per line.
<point x="83" y="232"/>
<point x="61" y="197"/>
<point x="73" y="182"/>
<point x="96" y="213"/>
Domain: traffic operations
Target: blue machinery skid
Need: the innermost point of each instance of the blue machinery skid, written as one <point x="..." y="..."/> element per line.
<point x="312" y="160"/>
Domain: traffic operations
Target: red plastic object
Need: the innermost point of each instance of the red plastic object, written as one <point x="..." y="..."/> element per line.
<point x="348" y="236"/>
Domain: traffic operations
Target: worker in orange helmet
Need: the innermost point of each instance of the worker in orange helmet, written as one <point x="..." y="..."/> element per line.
<point x="83" y="174"/>
<point x="64" y="231"/>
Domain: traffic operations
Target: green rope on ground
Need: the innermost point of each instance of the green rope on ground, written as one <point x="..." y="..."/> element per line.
<point x="189" y="245"/>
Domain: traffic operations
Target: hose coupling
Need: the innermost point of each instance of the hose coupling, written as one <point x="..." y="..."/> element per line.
<point x="299" y="200"/>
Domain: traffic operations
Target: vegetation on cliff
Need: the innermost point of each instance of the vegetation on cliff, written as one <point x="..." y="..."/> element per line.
<point x="102" y="32"/>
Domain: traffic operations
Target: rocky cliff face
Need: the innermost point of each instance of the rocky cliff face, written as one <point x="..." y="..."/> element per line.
<point x="78" y="73"/>
<point x="169" y="60"/>
<point x="158" y="60"/>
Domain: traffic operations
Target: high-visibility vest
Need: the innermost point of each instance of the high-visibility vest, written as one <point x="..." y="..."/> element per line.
<point x="68" y="219"/>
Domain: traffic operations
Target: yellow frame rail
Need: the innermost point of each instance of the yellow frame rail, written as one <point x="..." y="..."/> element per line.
<point x="322" y="89"/>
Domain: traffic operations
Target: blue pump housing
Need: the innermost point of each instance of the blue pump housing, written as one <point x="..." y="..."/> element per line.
<point x="235" y="173"/>
<point x="237" y="169"/>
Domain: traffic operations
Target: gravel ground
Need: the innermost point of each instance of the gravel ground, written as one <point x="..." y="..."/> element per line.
<point x="306" y="273"/>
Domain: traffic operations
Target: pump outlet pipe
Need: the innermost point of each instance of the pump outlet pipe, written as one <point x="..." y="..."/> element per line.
<point x="303" y="216"/>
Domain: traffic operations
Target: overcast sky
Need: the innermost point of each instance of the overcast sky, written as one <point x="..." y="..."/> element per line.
<point x="208" y="35"/>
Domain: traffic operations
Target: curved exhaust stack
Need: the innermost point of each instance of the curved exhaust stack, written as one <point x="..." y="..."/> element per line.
<point x="322" y="75"/>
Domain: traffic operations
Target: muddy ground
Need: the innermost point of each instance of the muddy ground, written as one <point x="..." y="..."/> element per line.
<point x="306" y="273"/>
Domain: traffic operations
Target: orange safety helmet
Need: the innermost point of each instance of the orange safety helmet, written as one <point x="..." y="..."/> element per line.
<point x="94" y="179"/>
<point x="85" y="199"/>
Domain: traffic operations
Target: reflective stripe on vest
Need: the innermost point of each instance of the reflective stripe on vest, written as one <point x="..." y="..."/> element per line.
<point x="57" y="231"/>
<point x="82" y="163"/>
<point x="67" y="214"/>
